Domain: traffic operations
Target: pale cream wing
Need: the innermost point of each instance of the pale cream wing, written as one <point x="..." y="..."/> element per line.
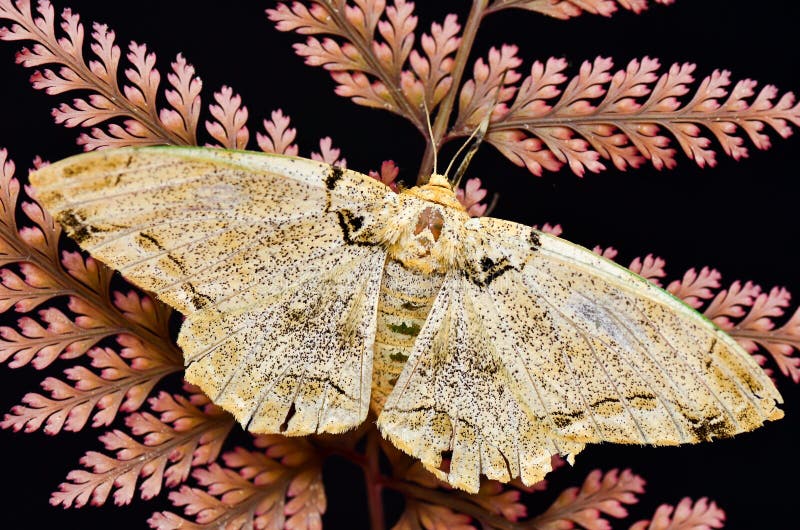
<point x="556" y="347"/>
<point x="456" y="398"/>
<point x="274" y="261"/>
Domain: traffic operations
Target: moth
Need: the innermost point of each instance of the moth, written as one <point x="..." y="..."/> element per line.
<point x="313" y="294"/>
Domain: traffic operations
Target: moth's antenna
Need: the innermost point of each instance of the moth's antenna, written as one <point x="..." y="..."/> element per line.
<point x="476" y="137"/>
<point x="430" y="132"/>
<point x="460" y="149"/>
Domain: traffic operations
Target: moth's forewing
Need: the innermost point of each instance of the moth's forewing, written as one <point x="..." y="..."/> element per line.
<point x="269" y="257"/>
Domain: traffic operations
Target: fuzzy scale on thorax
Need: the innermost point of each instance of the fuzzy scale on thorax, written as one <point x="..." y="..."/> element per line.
<point x="423" y="245"/>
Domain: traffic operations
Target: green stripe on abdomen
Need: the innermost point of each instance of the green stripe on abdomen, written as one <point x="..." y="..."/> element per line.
<point x="405" y="300"/>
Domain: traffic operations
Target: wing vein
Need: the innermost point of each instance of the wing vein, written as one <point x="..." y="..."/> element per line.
<point x="682" y="356"/>
<point x="259" y="279"/>
<point x="741" y="390"/>
<point x="666" y="403"/>
<point x="245" y="357"/>
<point x="536" y="389"/>
<point x="226" y="257"/>
<point x="138" y="229"/>
<point x="164" y="252"/>
<point x="137" y="191"/>
<point x="602" y="366"/>
<point x="214" y="346"/>
<point x="62" y="184"/>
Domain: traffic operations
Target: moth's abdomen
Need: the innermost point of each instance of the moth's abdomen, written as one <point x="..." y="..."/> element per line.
<point x="405" y="300"/>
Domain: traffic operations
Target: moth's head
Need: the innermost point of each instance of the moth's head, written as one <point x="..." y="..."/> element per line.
<point x="437" y="190"/>
<point x="427" y="231"/>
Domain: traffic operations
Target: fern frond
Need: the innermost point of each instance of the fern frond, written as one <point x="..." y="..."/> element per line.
<point x="230" y="127"/>
<point x="280" y="487"/>
<point x="371" y="67"/>
<point x="388" y="174"/>
<point x="130" y="110"/>
<point x="620" y="117"/>
<point x="120" y="382"/>
<point x="40" y="345"/>
<point x="432" y="77"/>
<point x="425" y="516"/>
<point x="696" y="287"/>
<point x="328" y="153"/>
<point x="600" y="495"/>
<point x="687" y="515"/>
<point x="491" y="87"/>
<point x="34" y="273"/>
<point x="279" y="137"/>
<point x="650" y="267"/>
<point x="471" y="195"/>
<point x="187" y="433"/>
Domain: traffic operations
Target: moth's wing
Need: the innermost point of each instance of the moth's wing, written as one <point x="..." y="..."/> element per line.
<point x="456" y="398"/>
<point x="275" y="261"/>
<point x="539" y="346"/>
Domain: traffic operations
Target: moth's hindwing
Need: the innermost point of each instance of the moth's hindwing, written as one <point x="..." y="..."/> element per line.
<point x="272" y="259"/>
<point x="537" y="346"/>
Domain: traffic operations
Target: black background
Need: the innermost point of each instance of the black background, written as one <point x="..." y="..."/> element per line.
<point x="737" y="217"/>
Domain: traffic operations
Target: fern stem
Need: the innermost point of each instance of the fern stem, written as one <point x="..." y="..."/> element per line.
<point x="764" y="337"/>
<point x="446" y="106"/>
<point x="458" y="501"/>
<point x="532" y="124"/>
<point x="372" y="478"/>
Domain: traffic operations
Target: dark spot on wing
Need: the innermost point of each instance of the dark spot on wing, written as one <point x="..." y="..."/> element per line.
<point x="289" y="416"/>
<point x="488" y="271"/>
<point x="708" y="428"/>
<point x="356" y="222"/>
<point x="351" y="223"/>
<point x="710" y="358"/>
<point x="73" y="169"/>
<point x="177" y="263"/>
<point x="151" y="239"/>
<point x="603" y="402"/>
<point x="159" y="246"/>
<point x="562" y="419"/>
<point x="199" y="300"/>
<point x="535" y="241"/>
<point x="643" y="401"/>
<point x="333" y="177"/>
<point x="330" y="382"/>
<point x="76" y="227"/>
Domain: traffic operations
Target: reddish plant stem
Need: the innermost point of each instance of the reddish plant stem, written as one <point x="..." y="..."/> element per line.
<point x="377" y="481"/>
<point x="374" y="482"/>
<point x="446" y="106"/>
<point x="764" y="336"/>
<point x="455" y="500"/>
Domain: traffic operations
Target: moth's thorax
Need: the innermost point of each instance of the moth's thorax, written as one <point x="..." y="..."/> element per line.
<point x="428" y="228"/>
